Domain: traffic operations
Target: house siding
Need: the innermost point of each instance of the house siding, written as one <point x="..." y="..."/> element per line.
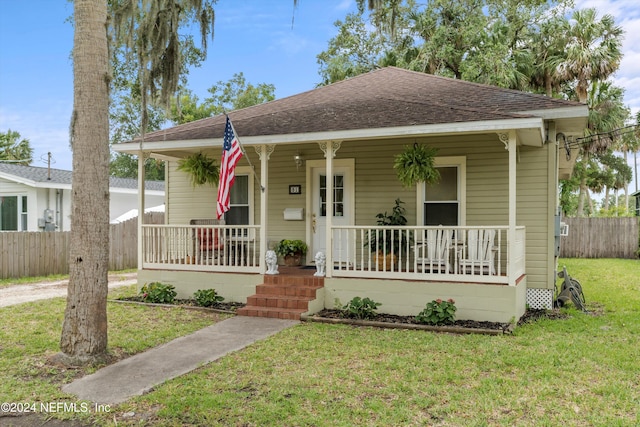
<point x="376" y="188"/>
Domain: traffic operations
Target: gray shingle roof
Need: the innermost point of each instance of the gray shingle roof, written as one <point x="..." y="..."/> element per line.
<point x="59" y="176"/>
<point x="387" y="97"/>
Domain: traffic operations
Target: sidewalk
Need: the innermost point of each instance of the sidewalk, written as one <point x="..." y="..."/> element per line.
<point x="139" y="374"/>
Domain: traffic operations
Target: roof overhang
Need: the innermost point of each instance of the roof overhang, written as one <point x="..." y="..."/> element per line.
<point x="63" y="186"/>
<point x="34" y="184"/>
<point x="530" y="131"/>
<point x="569" y="120"/>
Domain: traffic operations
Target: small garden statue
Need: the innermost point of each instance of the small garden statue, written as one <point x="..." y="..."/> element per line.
<point x="272" y="262"/>
<point x="321" y="261"/>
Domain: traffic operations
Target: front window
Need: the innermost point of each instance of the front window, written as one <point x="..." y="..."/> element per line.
<point x="443" y="203"/>
<point x="13" y="213"/>
<point x="240" y="201"/>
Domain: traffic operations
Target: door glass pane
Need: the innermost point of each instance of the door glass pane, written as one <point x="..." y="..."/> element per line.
<point x="338" y="195"/>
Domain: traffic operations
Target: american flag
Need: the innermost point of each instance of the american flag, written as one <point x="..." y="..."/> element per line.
<point x="231" y="154"/>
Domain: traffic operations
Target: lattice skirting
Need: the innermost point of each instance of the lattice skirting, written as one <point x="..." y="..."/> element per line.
<point x="540" y="298"/>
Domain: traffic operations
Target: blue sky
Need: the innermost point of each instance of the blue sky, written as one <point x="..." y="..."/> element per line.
<point x="251" y="36"/>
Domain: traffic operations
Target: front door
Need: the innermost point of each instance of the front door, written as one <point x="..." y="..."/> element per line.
<point x="342" y="209"/>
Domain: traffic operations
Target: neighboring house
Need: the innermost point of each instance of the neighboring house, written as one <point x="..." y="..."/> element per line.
<point x="39" y="198"/>
<point x="500" y="154"/>
<point x="636" y="195"/>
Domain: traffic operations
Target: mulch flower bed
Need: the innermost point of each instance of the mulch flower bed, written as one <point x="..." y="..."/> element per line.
<point x="392" y="320"/>
<point x="190" y="303"/>
<point x="458" y="326"/>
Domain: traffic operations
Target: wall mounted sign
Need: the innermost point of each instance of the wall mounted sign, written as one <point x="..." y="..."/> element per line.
<point x="295" y="189"/>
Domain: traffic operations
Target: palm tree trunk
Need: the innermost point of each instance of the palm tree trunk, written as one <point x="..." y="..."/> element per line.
<point x="584" y="192"/>
<point x="84" y="331"/>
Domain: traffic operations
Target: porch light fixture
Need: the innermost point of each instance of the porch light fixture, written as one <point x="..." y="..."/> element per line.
<point x="298" y="159"/>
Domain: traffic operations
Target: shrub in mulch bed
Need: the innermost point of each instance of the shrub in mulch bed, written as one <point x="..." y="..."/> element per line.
<point x="411" y="320"/>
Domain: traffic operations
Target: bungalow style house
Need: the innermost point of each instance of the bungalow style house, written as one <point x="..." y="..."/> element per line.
<point x="39" y="198"/>
<point x="318" y="166"/>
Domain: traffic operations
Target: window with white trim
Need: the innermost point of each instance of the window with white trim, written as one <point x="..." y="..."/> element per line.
<point x="442" y="203"/>
<point x="13" y="213"/>
<point x="240" y="200"/>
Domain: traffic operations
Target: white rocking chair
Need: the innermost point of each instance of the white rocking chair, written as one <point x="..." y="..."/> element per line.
<point x="478" y="257"/>
<point x="434" y="255"/>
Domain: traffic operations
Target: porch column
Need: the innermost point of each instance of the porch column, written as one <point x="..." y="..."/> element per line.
<point x="329" y="148"/>
<point x="141" y="158"/>
<point x="264" y="153"/>
<point x="511" y="234"/>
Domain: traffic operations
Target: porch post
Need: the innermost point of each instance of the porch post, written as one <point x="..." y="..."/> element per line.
<point x="329" y="148"/>
<point x="140" y="205"/>
<point x="511" y="238"/>
<point x="264" y="153"/>
<point x="329" y="153"/>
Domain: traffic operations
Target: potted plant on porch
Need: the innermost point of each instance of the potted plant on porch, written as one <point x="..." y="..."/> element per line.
<point x="292" y="251"/>
<point x="387" y="243"/>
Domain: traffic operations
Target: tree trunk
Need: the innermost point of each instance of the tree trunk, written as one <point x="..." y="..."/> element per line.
<point x="84" y="331"/>
<point x="582" y="195"/>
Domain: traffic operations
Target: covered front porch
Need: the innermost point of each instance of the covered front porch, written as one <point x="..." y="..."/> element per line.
<point x="448" y="254"/>
<point x="482" y="291"/>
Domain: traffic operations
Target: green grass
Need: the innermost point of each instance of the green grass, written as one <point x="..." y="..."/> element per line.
<point x="30" y="334"/>
<point x="51" y="278"/>
<point x="579" y="371"/>
<point x="27" y="280"/>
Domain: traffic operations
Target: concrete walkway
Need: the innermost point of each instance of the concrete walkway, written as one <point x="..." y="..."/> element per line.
<point x="139" y="374"/>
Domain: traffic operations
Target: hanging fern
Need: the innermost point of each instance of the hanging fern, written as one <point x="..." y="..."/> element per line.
<point x="201" y="168"/>
<point x="416" y="164"/>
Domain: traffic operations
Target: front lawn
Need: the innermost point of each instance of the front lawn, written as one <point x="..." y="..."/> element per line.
<point x="579" y="371"/>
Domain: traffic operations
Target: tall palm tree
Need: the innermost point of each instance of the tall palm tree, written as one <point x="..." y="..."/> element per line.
<point x="544" y="52"/>
<point x="15" y="148"/>
<point x="84" y="330"/>
<point x="593" y="50"/>
<point x="606" y="114"/>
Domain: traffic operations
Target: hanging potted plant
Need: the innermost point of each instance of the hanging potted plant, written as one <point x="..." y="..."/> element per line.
<point x="201" y="168"/>
<point x="416" y="164"/>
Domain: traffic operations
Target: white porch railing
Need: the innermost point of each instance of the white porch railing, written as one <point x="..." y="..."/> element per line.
<point x="201" y="247"/>
<point x="464" y="254"/>
<point x="450" y="254"/>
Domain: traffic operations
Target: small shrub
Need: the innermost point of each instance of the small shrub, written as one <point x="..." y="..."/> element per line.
<point x="361" y="308"/>
<point x="158" y="293"/>
<point x="438" y="312"/>
<point x="207" y="297"/>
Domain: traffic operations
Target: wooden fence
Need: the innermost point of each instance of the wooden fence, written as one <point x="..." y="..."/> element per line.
<point x="39" y="253"/>
<point x="601" y="238"/>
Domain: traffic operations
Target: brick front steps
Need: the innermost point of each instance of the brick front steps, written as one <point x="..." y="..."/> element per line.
<point x="282" y="297"/>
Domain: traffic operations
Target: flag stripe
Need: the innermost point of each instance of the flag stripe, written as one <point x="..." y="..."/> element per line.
<point x="231" y="154"/>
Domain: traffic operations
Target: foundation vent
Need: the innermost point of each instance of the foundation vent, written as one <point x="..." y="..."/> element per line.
<point x="540" y="298"/>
